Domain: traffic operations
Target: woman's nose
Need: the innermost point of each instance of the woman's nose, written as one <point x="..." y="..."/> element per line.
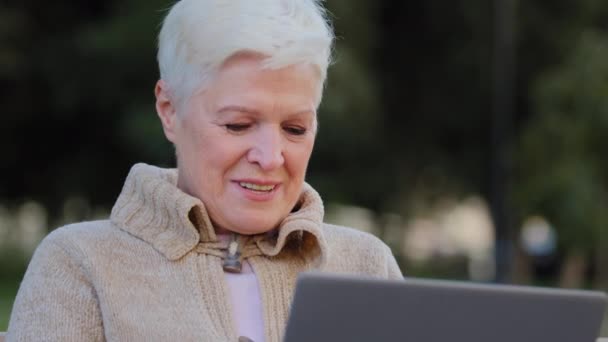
<point x="267" y="150"/>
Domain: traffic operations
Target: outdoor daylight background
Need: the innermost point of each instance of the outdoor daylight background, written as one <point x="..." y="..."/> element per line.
<point x="469" y="135"/>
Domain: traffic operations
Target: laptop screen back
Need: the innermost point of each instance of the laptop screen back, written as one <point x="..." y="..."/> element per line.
<point x="343" y="308"/>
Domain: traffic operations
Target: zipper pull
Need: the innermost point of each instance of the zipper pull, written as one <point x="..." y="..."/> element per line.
<point x="232" y="261"/>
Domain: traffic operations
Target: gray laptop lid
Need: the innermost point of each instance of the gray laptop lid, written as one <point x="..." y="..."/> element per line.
<point x="343" y="308"/>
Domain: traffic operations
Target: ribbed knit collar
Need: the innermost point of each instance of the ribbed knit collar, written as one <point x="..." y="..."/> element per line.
<point x="152" y="208"/>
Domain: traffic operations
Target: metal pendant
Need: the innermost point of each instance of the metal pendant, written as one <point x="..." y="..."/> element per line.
<point x="232" y="261"/>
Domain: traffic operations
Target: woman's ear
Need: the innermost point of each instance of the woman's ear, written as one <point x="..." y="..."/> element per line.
<point x="166" y="109"/>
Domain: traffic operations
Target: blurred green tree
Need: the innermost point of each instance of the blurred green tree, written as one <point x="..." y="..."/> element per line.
<point x="561" y="155"/>
<point x="406" y="115"/>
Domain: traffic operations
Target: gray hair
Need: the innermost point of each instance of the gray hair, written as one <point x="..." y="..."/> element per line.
<point x="198" y="36"/>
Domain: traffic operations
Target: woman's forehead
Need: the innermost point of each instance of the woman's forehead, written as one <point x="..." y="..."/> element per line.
<point x="245" y="86"/>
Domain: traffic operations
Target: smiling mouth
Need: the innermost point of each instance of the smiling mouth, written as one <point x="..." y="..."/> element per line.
<point x="257" y="187"/>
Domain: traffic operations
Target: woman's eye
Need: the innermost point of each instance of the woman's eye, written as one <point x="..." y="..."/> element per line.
<point x="295" y="130"/>
<point x="237" y="127"/>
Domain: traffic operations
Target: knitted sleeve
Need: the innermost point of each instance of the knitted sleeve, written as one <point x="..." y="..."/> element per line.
<point x="56" y="300"/>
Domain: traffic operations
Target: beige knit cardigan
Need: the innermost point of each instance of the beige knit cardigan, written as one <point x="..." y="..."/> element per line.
<point x="153" y="271"/>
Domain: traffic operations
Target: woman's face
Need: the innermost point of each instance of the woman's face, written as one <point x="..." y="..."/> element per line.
<point x="244" y="142"/>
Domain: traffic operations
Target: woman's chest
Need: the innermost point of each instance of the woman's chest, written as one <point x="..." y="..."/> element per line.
<point x="189" y="300"/>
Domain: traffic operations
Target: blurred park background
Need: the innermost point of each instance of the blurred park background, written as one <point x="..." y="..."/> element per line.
<point x="467" y="134"/>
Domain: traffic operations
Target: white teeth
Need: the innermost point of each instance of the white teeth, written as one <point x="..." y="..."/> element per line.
<point x="256" y="187"/>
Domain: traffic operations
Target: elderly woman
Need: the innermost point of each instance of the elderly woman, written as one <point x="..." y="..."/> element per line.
<point x="210" y="251"/>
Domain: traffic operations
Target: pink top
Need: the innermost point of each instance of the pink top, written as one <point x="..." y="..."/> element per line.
<point x="246" y="301"/>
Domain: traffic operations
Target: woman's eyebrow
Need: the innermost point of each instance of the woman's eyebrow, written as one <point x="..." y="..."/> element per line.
<point x="304" y="112"/>
<point x="241" y="109"/>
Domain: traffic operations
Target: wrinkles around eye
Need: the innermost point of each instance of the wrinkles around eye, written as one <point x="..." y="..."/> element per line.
<point x="237" y="127"/>
<point x="295" y="130"/>
<point x="291" y="130"/>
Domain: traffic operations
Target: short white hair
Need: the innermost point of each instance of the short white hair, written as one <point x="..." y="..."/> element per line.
<point x="198" y="36"/>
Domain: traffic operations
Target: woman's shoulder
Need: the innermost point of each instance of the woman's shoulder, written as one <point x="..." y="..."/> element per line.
<point x="83" y="239"/>
<point x="82" y="233"/>
<point x="346" y="242"/>
<point x="341" y="235"/>
<point x="358" y="252"/>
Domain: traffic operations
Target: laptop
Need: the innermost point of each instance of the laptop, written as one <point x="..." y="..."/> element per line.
<point x="346" y="308"/>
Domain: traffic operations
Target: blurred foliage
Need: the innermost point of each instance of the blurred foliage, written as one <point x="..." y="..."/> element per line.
<point x="12" y="267"/>
<point x="562" y="161"/>
<point x="406" y="115"/>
